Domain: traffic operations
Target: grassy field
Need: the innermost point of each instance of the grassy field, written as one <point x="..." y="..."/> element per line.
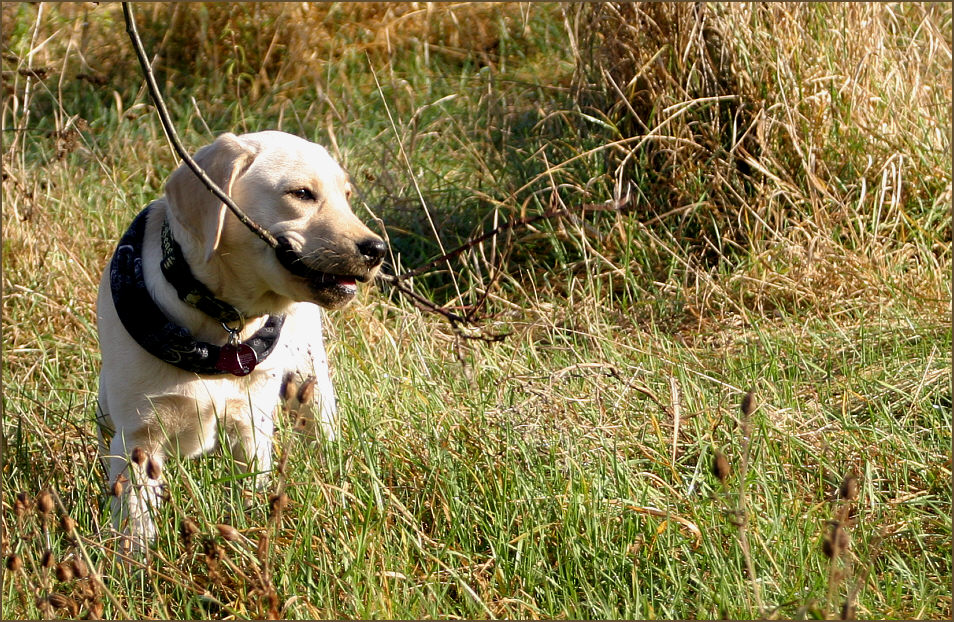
<point x="714" y="382"/>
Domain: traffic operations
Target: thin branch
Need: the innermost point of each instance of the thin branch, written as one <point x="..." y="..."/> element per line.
<point x="513" y="224"/>
<point x="456" y="321"/>
<point x="173" y="137"/>
<point x="742" y="523"/>
<point x="394" y="280"/>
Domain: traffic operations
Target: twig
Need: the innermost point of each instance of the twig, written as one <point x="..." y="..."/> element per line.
<point x="513" y="224"/>
<point x="676" y="412"/>
<point x="420" y="301"/>
<point x="393" y="280"/>
<point x="456" y="321"/>
<point x="521" y="222"/>
<point x="173" y="137"/>
<point x="748" y="407"/>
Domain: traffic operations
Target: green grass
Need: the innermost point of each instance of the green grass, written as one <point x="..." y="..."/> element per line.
<point x="565" y="471"/>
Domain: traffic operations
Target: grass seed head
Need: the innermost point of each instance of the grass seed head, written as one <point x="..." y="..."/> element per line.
<point x="22" y="503"/>
<point x="80" y="569"/>
<point x="14" y="562"/>
<point x="849" y="488"/>
<point x="64" y="572"/>
<point x="44" y="503"/>
<point x="47" y="560"/>
<point x="720" y="466"/>
<point x="138" y="455"/>
<point x="95" y="610"/>
<point x="289" y="387"/>
<point x="748" y="404"/>
<point x="116" y="489"/>
<point x="277" y="504"/>
<point x="836" y="541"/>
<point x="847" y="611"/>
<point x="228" y="532"/>
<point x="307" y="390"/>
<point x="67" y="524"/>
<point x="261" y="548"/>
<point x="187" y="530"/>
<point x="153" y="470"/>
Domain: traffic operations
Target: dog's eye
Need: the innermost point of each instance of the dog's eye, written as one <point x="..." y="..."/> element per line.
<point x="303" y="193"/>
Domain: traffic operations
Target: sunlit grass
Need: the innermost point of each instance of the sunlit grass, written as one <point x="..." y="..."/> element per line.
<point x="566" y="471"/>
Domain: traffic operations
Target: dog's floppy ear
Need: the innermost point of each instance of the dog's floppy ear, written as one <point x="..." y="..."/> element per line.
<point x="200" y="213"/>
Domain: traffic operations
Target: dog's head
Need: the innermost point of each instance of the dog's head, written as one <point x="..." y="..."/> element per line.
<point x="294" y="189"/>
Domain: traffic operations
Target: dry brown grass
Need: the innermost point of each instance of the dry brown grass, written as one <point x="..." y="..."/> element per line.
<point x="816" y="98"/>
<point x="258" y="46"/>
<point x="813" y="141"/>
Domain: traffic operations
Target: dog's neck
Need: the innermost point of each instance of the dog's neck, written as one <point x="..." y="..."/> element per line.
<point x="219" y="284"/>
<point x="167" y="327"/>
<point x="189" y="289"/>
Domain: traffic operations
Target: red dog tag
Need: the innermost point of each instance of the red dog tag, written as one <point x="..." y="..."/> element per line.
<point x="238" y="360"/>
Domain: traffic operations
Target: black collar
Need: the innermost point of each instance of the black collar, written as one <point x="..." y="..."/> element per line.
<point x="164" y="339"/>
<point x="191" y="291"/>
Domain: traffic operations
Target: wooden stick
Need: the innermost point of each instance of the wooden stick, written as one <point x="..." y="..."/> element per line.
<point x="268" y="238"/>
<point x="173" y="137"/>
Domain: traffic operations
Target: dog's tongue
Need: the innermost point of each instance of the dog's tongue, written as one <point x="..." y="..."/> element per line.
<point x="347" y="284"/>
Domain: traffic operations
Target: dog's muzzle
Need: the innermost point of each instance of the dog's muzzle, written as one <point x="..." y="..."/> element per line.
<point x="372" y="252"/>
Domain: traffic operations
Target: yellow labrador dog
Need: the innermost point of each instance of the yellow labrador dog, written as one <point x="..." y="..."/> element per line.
<point x="202" y="325"/>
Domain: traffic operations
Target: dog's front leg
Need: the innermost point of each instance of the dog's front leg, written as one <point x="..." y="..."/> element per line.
<point x="135" y="475"/>
<point x="250" y="440"/>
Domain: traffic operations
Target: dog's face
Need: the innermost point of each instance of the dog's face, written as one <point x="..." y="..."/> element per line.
<point x="295" y="190"/>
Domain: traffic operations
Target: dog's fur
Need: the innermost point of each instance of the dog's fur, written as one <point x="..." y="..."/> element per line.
<point x="148" y="403"/>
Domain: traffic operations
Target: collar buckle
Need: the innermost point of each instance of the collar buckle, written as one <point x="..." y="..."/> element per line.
<point x="234" y="332"/>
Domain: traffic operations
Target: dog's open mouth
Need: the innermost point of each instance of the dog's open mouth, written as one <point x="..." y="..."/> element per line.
<point x="341" y="285"/>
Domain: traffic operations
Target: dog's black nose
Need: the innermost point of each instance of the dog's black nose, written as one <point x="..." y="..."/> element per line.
<point x="373" y="250"/>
